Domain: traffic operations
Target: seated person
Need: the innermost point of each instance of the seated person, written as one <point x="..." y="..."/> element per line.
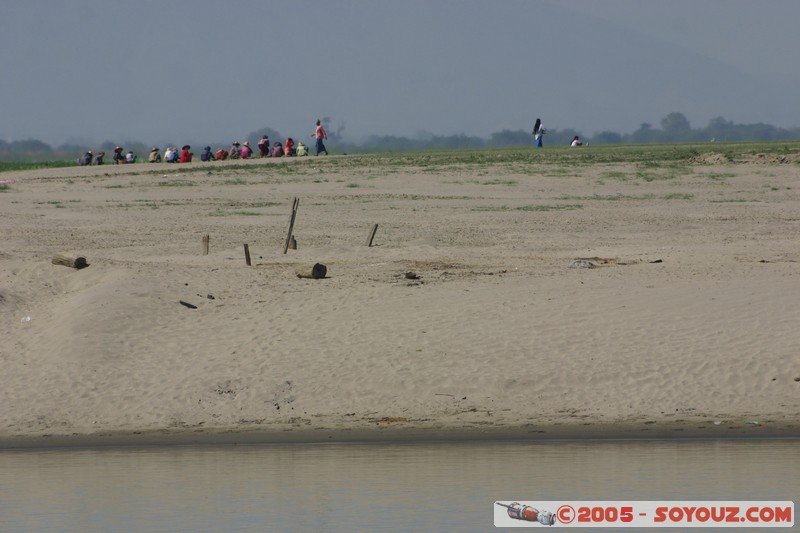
<point x="130" y="157"/>
<point x="86" y="159"/>
<point x="119" y="157"/>
<point x="207" y="155"/>
<point x="246" y="151"/>
<point x="222" y="155"/>
<point x="186" y="155"/>
<point x="98" y="160"/>
<point x="288" y="148"/>
<point x="301" y="149"/>
<point x="154" y="156"/>
<point x="277" y="150"/>
<point x="576" y="141"/>
<point x="235" y="152"/>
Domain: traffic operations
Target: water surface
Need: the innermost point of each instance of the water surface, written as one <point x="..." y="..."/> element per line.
<point x="369" y="487"/>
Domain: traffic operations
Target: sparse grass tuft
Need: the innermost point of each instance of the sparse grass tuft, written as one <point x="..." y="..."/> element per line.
<point x="565" y="207"/>
<point x="508" y="183"/>
<point x="176" y="183"/>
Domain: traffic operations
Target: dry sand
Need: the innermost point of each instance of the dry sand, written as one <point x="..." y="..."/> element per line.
<point x="688" y="326"/>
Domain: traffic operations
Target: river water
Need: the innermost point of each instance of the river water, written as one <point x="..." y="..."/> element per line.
<point x="369" y="487"/>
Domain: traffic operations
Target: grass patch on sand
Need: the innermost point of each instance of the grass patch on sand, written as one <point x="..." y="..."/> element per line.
<point x="732" y="201"/>
<point x="16" y="166"/>
<point x="718" y="176"/>
<point x="252" y="205"/>
<point x="660" y="170"/>
<point x="507" y="183"/>
<point x="58" y="203"/>
<point x="618" y="197"/>
<point x="564" y="207"/>
<point x="148" y="204"/>
<point x="220" y="212"/>
<point x="176" y="183"/>
<point x="243" y="209"/>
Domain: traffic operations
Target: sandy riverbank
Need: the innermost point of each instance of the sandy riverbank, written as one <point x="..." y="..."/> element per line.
<point x="685" y="327"/>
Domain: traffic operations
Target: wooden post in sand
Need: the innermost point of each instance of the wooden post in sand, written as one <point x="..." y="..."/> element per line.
<point x="372" y="235"/>
<point x="72" y="262"/>
<point x="205" y="244"/>
<point x="295" y="205"/>
<point x="247" y="254"/>
<point x="318" y="271"/>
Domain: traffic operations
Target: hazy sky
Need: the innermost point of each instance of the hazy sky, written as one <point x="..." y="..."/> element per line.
<point x="176" y="71"/>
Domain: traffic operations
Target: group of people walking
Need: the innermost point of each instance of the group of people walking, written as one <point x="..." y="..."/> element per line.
<point x="236" y="151"/>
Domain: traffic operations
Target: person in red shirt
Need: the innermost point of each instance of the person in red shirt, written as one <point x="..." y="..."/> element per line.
<point x="186" y="155"/>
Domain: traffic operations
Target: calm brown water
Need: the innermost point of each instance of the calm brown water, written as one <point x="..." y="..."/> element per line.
<point x="369" y="487"/>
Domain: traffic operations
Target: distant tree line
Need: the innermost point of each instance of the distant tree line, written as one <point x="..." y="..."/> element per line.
<point x="675" y="128"/>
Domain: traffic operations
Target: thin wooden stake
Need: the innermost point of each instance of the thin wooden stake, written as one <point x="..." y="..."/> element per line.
<point x="372" y="235"/>
<point x="205" y="244"/>
<point x="295" y="205"/>
<point x="247" y="254"/>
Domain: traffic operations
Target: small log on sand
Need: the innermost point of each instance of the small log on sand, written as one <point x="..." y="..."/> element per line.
<point x="72" y="262"/>
<point x="318" y="271"/>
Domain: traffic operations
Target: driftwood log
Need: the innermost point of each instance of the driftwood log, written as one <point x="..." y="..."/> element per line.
<point x="318" y="271"/>
<point x="72" y="262"/>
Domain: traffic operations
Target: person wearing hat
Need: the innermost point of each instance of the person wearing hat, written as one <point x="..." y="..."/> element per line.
<point x="186" y="155"/>
<point x="234" y="152"/>
<point x="86" y="159"/>
<point x="246" y="151"/>
<point x="207" y="155"/>
<point x="119" y="157"/>
<point x="154" y="156"/>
